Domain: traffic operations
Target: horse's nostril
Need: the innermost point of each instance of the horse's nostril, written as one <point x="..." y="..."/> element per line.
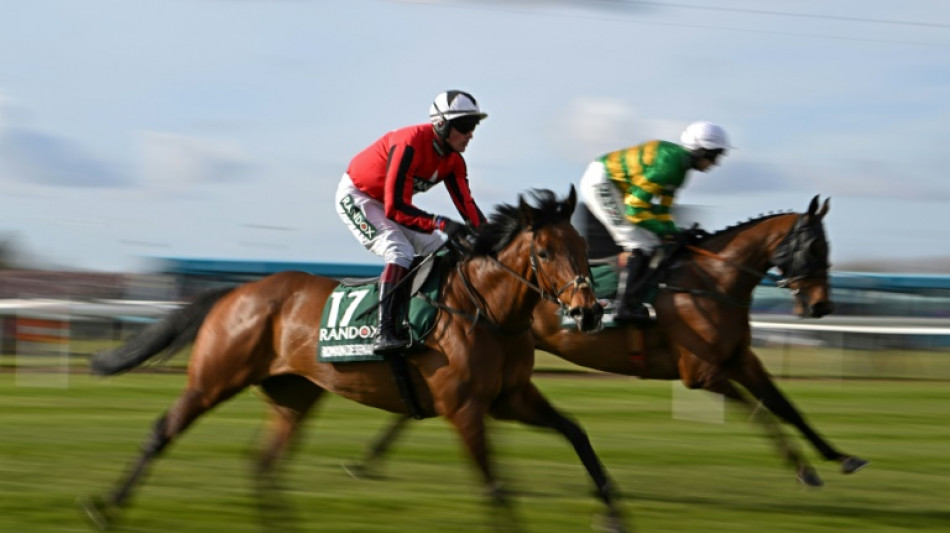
<point x="587" y="318"/>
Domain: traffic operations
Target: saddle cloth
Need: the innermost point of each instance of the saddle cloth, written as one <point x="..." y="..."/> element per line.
<point x="350" y="319"/>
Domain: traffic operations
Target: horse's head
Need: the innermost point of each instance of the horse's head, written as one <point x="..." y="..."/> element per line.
<point x="802" y="258"/>
<point x="541" y="231"/>
<point x="559" y="260"/>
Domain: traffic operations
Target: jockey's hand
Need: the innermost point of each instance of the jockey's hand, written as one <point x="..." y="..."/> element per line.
<point x="693" y="235"/>
<point x="452" y="229"/>
<point x="461" y="237"/>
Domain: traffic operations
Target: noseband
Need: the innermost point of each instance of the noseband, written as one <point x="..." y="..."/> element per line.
<point x="578" y="283"/>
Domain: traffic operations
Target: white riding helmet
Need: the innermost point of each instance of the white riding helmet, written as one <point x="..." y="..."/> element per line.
<point x="706" y="135"/>
<point x="451" y="105"/>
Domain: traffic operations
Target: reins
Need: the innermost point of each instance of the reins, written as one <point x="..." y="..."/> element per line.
<point x="782" y="282"/>
<point x="579" y="282"/>
<point x="748" y="270"/>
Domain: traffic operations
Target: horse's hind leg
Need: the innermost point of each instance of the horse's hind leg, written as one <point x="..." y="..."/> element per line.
<point x="369" y="465"/>
<point x="751" y="375"/>
<point x="529" y="406"/>
<point x="291" y="399"/>
<point x="191" y="404"/>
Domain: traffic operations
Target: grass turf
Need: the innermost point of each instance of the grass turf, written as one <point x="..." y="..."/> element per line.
<point x="57" y="443"/>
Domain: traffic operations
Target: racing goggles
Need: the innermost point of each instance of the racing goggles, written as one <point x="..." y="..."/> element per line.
<point x="464" y="125"/>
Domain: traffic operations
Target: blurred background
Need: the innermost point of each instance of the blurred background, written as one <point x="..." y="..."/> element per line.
<point x="150" y="150"/>
<point x="220" y="128"/>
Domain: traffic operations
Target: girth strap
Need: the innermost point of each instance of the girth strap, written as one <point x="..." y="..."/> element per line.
<point x="400" y="368"/>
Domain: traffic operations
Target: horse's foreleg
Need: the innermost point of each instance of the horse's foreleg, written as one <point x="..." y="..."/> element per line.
<point x="531" y="407"/>
<point x="751" y="375"/>
<point x="806" y="472"/>
<point x="469" y="422"/>
<point x="369" y="465"/>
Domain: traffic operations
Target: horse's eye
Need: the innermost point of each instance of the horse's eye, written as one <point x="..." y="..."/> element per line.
<point x="544" y="255"/>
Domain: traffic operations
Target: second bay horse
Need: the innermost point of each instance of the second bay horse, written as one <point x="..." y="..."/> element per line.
<point x="702" y="336"/>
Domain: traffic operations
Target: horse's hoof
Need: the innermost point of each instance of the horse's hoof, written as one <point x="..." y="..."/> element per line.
<point x="808" y="476"/>
<point x="852" y="464"/>
<point x="609" y="523"/>
<point x="96" y="511"/>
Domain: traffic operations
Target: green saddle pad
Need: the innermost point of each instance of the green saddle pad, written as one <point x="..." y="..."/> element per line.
<point x="349" y="323"/>
<point x="606" y="280"/>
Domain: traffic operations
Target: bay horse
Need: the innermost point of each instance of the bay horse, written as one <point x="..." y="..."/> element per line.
<point x="702" y="335"/>
<point x="476" y="362"/>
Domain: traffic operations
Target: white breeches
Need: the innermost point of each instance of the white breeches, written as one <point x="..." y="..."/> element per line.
<point x="366" y="219"/>
<point x="605" y="202"/>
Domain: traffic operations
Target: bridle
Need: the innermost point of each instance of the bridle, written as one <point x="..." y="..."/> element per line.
<point x="809" y="270"/>
<point x="579" y="282"/>
<point x="810" y="267"/>
<point x="783" y="282"/>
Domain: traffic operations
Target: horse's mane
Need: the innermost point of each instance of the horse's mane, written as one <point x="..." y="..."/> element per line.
<point x="751" y="222"/>
<point x="506" y="222"/>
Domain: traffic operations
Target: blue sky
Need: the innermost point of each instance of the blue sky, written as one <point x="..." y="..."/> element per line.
<point x="220" y="128"/>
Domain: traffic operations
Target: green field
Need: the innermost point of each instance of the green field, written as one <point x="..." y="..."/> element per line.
<point x="75" y="438"/>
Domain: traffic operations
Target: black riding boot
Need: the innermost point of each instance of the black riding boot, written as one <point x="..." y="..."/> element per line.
<point x="388" y="340"/>
<point x="630" y="306"/>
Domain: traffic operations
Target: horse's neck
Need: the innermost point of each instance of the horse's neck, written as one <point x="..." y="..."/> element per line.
<point x="506" y="300"/>
<point x="748" y="251"/>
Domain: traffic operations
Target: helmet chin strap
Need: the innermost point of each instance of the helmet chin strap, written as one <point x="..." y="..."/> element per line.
<point x="443" y="148"/>
<point x="695" y="156"/>
<point x="701" y="153"/>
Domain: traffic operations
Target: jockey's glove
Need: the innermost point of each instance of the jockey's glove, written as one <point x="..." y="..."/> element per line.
<point x="693" y="235"/>
<point x="450" y="228"/>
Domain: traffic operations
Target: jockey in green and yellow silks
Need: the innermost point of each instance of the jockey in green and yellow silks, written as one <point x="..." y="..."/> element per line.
<point x="648" y="176"/>
<point x="631" y="192"/>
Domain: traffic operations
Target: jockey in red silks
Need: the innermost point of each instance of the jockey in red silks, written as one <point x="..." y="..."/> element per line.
<point x="374" y="198"/>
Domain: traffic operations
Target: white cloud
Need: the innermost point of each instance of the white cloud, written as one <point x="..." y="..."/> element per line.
<point x="594" y="126"/>
<point x="175" y="163"/>
<point x="32" y="156"/>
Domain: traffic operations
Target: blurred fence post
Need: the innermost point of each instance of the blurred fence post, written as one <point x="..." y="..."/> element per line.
<point x="41" y="350"/>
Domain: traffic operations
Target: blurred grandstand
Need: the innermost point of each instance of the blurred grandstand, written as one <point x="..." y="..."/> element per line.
<point x="875" y="311"/>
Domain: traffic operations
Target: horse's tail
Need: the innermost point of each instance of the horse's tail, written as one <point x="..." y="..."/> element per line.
<point x="168" y="335"/>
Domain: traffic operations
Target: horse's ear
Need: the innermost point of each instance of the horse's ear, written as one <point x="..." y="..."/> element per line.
<point x="813" y="206"/>
<point x="571" y="203"/>
<point x="525" y="213"/>
<point x="824" y="209"/>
